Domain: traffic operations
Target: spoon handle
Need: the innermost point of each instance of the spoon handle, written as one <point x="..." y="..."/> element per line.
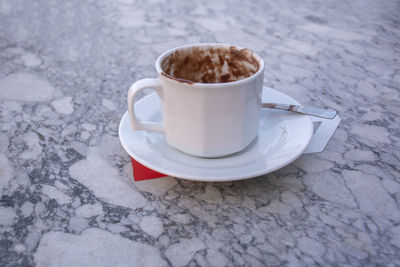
<point x="318" y="112"/>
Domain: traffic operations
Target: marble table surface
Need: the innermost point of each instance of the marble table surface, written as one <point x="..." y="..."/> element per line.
<point x="67" y="197"/>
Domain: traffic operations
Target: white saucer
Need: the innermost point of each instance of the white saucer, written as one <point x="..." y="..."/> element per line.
<point x="282" y="138"/>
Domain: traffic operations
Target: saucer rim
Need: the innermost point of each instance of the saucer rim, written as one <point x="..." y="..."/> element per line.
<point x="219" y="178"/>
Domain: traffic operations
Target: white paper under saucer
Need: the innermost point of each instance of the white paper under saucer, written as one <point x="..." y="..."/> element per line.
<point x="282" y="138"/>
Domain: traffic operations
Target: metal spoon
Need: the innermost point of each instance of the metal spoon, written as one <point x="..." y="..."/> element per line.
<point x="319" y="112"/>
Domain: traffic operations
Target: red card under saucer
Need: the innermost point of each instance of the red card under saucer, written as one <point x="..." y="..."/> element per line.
<point x="141" y="172"/>
<point x="322" y="135"/>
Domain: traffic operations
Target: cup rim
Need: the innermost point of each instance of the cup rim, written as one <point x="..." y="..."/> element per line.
<point x="170" y="51"/>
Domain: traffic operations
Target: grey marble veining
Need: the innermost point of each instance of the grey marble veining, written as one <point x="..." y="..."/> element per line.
<point x="66" y="192"/>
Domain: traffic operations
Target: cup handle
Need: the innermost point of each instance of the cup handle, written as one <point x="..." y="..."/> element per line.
<point x="136" y="123"/>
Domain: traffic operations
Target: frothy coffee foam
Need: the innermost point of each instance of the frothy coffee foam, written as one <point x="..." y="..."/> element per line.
<point x="210" y="64"/>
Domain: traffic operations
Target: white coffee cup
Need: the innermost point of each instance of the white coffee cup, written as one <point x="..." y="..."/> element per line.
<point x="207" y="114"/>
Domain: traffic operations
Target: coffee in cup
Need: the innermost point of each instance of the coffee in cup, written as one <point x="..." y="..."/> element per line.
<point x="212" y="65"/>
